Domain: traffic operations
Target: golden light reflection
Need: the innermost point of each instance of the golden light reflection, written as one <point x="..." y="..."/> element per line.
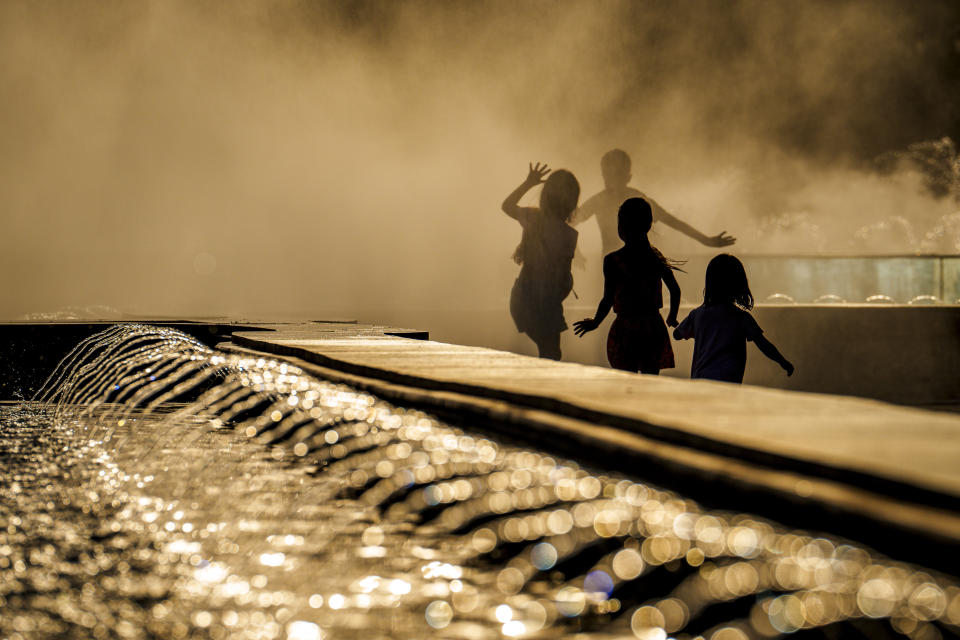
<point x="510" y="580"/>
<point x="647" y="623"/>
<point x="439" y="614"/>
<point x="628" y="564"/>
<point x="272" y="559"/>
<point x="463" y="531"/>
<point x="399" y="587"/>
<point x="303" y="630"/>
<point x="513" y="628"/>
<point x="466" y="599"/>
<point x="877" y="598"/>
<point x="570" y="601"/>
<point x="729" y="633"/>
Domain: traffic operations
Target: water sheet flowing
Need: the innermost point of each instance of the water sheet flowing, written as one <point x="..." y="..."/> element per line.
<point x="159" y="488"/>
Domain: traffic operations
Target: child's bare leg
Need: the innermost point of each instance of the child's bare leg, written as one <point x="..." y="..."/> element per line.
<point x="549" y="346"/>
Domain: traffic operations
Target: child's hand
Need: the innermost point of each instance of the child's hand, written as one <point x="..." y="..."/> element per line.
<point x="722" y="239"/>
<point x="788" y="367"/>
<point x="584" y="326"/>
<point x="672" y="320"/>
<point x="537" y="173"/>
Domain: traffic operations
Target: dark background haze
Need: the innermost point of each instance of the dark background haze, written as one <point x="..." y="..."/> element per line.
<point x="307" y="159"/>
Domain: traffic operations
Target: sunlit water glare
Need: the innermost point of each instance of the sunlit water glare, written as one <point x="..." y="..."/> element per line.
<point x="165" y="490"/>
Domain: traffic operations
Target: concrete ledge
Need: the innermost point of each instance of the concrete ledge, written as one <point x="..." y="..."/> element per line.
<point x="909" y="453"/>
<point x="884" y="475"/>
<point x="891" y="524"/>
<point x="905" y="354"/>
<point x="898" y="353"/>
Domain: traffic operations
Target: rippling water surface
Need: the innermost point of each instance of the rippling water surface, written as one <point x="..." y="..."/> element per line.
<point x="166" y="490"/>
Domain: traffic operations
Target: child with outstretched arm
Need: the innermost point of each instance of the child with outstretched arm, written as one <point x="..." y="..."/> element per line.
<point x="632" y="278"/>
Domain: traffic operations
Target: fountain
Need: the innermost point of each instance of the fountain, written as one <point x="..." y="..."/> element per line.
<point x="160" y="488"/>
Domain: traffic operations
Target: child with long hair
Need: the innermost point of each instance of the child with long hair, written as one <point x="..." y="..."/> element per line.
<point x="632" y="277"/>
<point x="722" y="325"/>
<point x="545" y="255"/>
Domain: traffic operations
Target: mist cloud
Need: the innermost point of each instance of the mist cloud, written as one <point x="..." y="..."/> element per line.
<point x="285" y="157"/>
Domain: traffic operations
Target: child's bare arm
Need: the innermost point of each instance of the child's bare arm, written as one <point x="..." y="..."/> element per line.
<point x="719" y="240"/>
<point x="587" y="325"/>
<point x="671" y="281"/>
<point x="585" y="211"/>
<point x="766" y="347"/>
<point x="606" y="303"/>
<point x="511" y="205"/>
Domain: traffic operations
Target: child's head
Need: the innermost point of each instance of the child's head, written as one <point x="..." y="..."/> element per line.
<point x="726" y="282"/>
<point x="634" y="219"/>
<point x="560" y="194"/>
<point x="615" y="167"/>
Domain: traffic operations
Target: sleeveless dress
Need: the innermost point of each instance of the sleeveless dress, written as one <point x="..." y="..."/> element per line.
<point x="638" y="339"/>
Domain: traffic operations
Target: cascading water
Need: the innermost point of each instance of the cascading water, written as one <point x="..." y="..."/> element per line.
<point x="161" y="489"/>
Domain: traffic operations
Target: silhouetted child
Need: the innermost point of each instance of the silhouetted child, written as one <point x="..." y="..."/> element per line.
<point x="615" y="166"/>
<point x="721" y="326"/>
<point x="545" y="253"/>
<point x="632" y="277"/>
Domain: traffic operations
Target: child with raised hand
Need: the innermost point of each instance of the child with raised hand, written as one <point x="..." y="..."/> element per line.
<point x="545" y="255"/>
<point x="632" y="277"/>
<point x="722" y="325"/>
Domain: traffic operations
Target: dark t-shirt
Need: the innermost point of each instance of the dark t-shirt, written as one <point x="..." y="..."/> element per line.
<point x="720" y="333"/>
